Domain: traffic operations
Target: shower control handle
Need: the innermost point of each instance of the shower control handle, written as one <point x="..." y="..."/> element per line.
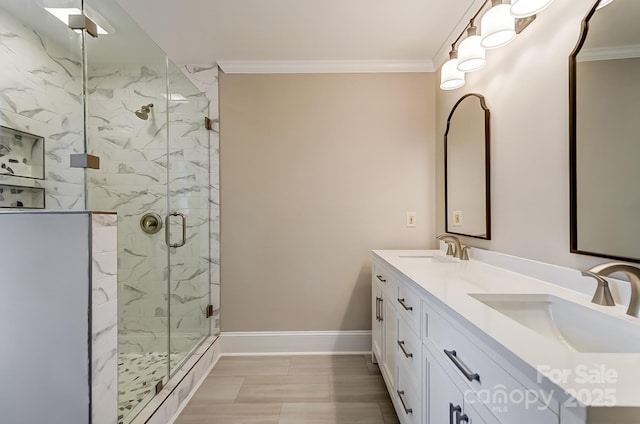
<point x="167" y="235"/>
<point x="151" y="223"/>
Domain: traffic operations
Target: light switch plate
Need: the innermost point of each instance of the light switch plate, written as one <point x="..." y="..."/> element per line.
<point x="411" y="219"/>
<point x="457" y="218"/>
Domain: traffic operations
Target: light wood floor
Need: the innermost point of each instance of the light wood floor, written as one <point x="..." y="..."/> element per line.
<point x="291" y="390"/>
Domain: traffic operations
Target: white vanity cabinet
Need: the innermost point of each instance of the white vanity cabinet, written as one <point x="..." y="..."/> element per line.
<point x="384" y="324"/>
<point x="436" y="369"/>
<point x="444" y="401"/>
<point x="396" y="342"/>
<point x="477" y="370"/>
<point x="377" y="325"/>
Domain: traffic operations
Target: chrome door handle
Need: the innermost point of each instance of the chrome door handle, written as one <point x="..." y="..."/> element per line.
<point x="407" y="354"/>
<point x="451" y="354"/>
<point x="404" y="405"/>
<point x="377" y="308"/>
<point x="381" y="308"/>
<point x="167" y="234"/>
<point x="404" y="305"/>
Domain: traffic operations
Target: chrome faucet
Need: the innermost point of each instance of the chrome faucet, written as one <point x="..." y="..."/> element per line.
<point x="630" y="271"/>
<point x="457" y="253"/>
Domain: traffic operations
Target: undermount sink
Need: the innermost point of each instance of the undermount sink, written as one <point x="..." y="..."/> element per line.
<point x="575" y="326"/>
<point x="427" y="259"/>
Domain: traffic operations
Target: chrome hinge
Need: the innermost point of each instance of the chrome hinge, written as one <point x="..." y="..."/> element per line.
<point x="209" y="311"/>
<point x="212" y="124"/>
<point x="83" y="22"/>
<point x="83" y="160"/>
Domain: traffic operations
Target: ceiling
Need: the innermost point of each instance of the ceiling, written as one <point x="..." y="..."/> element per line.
<point x="210" y="31"/>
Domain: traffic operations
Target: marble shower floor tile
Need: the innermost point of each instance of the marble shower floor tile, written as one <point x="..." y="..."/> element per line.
<point x="138" y="374"/>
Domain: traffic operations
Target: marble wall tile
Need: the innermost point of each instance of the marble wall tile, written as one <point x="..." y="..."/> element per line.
<point x="205" y="77"/>
<point x="104" y="319"/>
<point x="133" y="181"/>
<point x="41" y="93"/>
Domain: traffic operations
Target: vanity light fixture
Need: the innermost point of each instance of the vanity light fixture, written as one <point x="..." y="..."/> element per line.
<point x="450" y="77"/>
<point x="471" y="55"/>
<point x="498" y="26"/>
<point x="525" y="8"/>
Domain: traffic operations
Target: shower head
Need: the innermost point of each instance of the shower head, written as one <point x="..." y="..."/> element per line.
<point x="143" y="113"/>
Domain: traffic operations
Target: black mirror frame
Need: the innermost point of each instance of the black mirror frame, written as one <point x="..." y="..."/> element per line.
<point x="573" y="146"/>
<point x="487" y="167"/>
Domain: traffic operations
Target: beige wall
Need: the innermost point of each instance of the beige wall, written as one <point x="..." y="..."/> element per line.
<point x="526" y="85"/>
<point x="317" y="170"/>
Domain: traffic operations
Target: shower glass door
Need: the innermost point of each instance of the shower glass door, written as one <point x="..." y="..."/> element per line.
<point x="127" y="129"/>
<point x="146" y="123"/>
<point x="188" y="180"/>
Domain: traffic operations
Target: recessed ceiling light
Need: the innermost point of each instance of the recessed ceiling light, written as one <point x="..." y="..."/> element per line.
<point x="62" y="13"/>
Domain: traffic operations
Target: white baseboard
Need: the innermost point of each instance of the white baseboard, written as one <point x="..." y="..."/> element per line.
<point x="295" y="343"/>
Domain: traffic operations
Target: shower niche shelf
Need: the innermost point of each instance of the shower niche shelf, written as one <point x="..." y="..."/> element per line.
<point x="21" y="154"/>
<point x="21" y="197"/>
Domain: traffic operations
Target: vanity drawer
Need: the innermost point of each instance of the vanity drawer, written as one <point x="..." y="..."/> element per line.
<point x="408" y="351"/>
<point x="408" y="398"/>
<point x="408" y="306"/>
<point x="473" y="369"/>
<point x="382" y="276"/>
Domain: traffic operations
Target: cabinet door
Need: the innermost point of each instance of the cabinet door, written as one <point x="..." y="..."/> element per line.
<point x="377" y="323"/>
<point x="442" y="397"/>
<point x="390" y="341"/>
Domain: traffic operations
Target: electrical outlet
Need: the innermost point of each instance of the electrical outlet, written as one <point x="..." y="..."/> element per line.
<point x="457" y="218"/>
<point x="411" y="219"/>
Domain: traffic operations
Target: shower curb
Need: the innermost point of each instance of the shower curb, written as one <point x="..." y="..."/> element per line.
<point x="167" y="405"/>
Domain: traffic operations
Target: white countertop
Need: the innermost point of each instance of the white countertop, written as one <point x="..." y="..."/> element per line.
<point x="451" y="283"/>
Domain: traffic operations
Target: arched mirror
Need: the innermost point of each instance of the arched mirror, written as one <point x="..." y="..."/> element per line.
<point x="605" y="132"/>
<point x="466" y="159"/>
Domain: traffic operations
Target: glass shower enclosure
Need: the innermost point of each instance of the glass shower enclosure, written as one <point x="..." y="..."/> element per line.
<point x="117" y="96"/>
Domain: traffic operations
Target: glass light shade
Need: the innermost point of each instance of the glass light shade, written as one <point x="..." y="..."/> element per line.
<point x="524" y="8"/>
<point x="603" y="3"/>
<point x="497" y="27"/>
<point x="471" y="55"/>
<point x="450" y="77"/>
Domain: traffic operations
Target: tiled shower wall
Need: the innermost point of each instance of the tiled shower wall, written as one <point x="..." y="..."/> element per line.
<point x="41" y="93"/>
<point x="133" y="181"/>
<point x="205" y="77"/>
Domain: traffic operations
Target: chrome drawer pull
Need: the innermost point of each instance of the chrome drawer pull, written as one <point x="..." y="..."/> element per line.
<point x="451" y="354"/>
<point x="407" y="354"/>
<point x="461" y="418"/>
<point x="379" y="277"/>
<point x="381" y="309"/>
<point x="378" y="300"/>
<point x="404" y="405"/>
<point x="452" y="410"/>
<point x="404" y="305"/>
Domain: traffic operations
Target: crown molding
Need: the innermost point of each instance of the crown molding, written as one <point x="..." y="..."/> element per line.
<point x="609" y="53"/>
<point x="324" y="66"/>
